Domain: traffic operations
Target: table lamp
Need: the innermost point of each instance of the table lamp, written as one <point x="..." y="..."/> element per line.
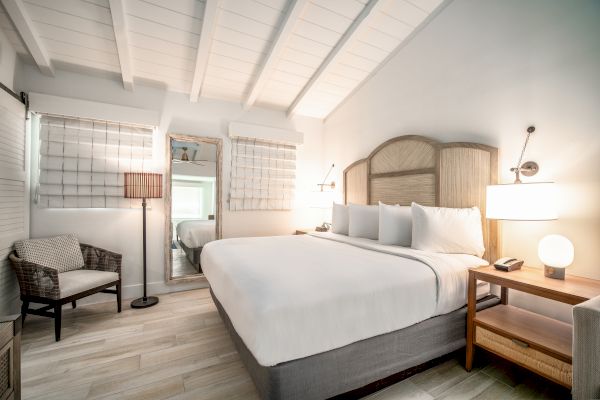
<point x="557" y="253"/>
<point x="143" y="185"/>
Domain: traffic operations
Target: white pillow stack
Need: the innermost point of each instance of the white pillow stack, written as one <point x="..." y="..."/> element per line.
<point x="447" y="230"/>
<point x="340" y="219"/>
<point x="435" y="229"/>
<point x="395" y="225"/>
<point x="364" y="221"/>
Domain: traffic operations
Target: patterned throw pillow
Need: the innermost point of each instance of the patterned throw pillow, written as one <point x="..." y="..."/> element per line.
<point x="60" y="252"/>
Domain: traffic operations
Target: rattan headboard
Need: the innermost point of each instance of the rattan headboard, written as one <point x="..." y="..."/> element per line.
<point x="414" y="168"/>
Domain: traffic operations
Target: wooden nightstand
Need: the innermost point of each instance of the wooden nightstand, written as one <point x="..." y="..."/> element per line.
<point x="536" y="342"/>
<point x="303" y="231"/>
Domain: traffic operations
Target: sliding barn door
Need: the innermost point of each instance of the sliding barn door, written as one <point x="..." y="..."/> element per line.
<point x="14" y="193"/>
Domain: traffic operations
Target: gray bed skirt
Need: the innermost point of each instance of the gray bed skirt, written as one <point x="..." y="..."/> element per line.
<point x="192" y="254"/>
<point x="358" y="364"/>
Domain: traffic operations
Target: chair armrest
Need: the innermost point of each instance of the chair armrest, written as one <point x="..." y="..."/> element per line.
<point x="34" y="279"/>
<point x="586" y="349"/>
<point x="100" y="259"/>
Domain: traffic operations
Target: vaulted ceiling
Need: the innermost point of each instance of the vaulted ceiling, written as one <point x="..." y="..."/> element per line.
<point x="302" y="56"/>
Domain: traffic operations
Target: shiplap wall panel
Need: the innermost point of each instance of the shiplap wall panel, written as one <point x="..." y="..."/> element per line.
<point x="186" y="7"/>
<point x="164" y="16"/>
<point x="14" y="194"/>
<point x="13" y="36"/>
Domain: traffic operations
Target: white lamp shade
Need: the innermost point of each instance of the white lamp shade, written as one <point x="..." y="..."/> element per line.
<point x="556" y="251"/>
<point x="521" y="202"/>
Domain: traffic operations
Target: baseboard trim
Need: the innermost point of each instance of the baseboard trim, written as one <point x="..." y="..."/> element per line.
<point x="130" y="292"/>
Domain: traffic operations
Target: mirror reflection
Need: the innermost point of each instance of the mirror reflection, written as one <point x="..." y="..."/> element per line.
<point x="193" y="200"/>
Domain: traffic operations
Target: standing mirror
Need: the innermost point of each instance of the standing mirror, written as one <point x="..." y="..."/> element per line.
<point x="192" y="203"/>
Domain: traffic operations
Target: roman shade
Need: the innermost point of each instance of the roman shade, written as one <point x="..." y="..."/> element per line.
<point x="82" y="161"/>
<point x="263" y="175"/>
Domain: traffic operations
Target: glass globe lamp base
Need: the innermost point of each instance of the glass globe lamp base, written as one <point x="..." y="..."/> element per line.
<point x="554" y="272"/>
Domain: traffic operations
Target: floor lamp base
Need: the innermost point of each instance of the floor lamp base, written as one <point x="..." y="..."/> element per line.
<point x="144" y="302"/>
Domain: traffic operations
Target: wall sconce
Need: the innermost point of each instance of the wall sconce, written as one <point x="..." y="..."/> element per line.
<point x="330" y="185"/>
<point x="528" y="168"/>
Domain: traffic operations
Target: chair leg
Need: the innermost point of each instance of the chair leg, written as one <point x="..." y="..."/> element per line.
<point x="57" y="321"/>
<point x="119" y="297"/>
<point x="24" y="309"/>
<point x="74" y="304"/>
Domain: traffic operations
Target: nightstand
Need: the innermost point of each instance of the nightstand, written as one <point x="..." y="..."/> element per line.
<point x="303" y="231"/>
<point x="536" y="342"/>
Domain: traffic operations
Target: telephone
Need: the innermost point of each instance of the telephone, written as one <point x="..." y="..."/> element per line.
<point x="508" y="264"/>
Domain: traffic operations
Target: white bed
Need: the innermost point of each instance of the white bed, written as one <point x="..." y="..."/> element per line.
<point x="196" y="233"/>
<point x="315" y="293"/>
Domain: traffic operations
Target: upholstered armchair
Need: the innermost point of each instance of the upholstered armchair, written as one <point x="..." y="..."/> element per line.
<point x="60" y="270"/>
<point x="586" y="350"/>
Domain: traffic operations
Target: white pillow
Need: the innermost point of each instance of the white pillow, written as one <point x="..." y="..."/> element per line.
<point x="447" y="230"/>
<point x="364" y="221"/>
<point x="395" y="225"/>
<point x="339" y="219"/>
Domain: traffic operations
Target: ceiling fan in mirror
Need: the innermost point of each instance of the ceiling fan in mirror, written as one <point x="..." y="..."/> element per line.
<point x="184" y="157"/>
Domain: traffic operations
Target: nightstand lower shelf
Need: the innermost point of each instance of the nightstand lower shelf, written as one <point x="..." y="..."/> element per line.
<point x="533" y="341"/>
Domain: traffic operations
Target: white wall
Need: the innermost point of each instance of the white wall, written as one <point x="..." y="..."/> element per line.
<point x="120" y="230"/>
<point x="8" y="57"/>
<point x="482" y="71"/>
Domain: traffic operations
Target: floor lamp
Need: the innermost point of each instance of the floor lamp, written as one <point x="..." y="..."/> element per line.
<point x="143" y="185"/>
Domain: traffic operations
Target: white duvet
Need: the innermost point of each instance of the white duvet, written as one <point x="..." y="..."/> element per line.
<point x="196" y="233"/>
<point x="290" y="297"/>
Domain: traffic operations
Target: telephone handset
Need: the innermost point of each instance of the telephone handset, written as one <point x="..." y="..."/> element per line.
<point x="508" y="264"/>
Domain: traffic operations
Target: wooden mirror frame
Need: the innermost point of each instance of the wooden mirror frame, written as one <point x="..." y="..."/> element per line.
<point x="167" y="201"/>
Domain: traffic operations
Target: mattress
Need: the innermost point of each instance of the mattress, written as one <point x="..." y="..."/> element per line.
<point x="196" y="233"/>
<point x="290" y="297"/>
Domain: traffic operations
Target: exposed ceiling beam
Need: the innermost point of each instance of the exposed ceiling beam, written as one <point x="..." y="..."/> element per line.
<point x="211" y="9"/>
<point x="361" y="22"/>
<point x="287" y="25"/>
<point x="117" y="11"/>
<point x="24" y="25"/>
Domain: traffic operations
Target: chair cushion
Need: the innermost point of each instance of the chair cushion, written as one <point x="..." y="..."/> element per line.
<point x="60" y="252"/>
<point x="77" y="281"/>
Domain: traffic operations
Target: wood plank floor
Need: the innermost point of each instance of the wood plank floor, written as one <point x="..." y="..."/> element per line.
<point x="181" y="265"/>
<point x="180" y="349"/>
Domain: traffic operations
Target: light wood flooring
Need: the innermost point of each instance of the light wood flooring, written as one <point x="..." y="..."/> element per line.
<point x="180" y="349"/>
<point x="181" y="265"/>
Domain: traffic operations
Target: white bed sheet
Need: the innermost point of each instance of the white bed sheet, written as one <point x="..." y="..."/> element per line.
<point x="196" y="233"/>
<point x="290" y="297"/>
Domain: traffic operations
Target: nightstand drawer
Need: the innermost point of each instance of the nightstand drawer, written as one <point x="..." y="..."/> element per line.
<point x="520" y="353"/>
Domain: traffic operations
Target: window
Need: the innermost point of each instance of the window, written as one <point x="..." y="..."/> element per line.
<point x="82" y="161"/>
<point x="188" y="201"/>
<point x="263" y="175"/>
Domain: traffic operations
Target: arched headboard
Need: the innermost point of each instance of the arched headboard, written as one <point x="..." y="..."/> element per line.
<point x="415" y="168"/>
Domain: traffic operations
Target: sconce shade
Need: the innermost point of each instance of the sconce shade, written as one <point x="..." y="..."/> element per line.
<point x="143" y="185"/>
<point x="556" y="251"/>
<point x="521" y="202"/>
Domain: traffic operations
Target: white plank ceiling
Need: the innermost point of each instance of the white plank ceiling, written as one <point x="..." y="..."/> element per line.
<point x="302" y="56"/>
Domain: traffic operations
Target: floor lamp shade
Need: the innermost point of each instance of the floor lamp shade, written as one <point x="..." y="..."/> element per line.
<point x="143" y="185"/>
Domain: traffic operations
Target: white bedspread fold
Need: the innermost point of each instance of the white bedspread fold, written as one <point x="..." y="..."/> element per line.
<point x="451" y="270"/>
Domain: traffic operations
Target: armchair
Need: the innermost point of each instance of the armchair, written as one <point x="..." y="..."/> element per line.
<point x="47" y="285"/>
